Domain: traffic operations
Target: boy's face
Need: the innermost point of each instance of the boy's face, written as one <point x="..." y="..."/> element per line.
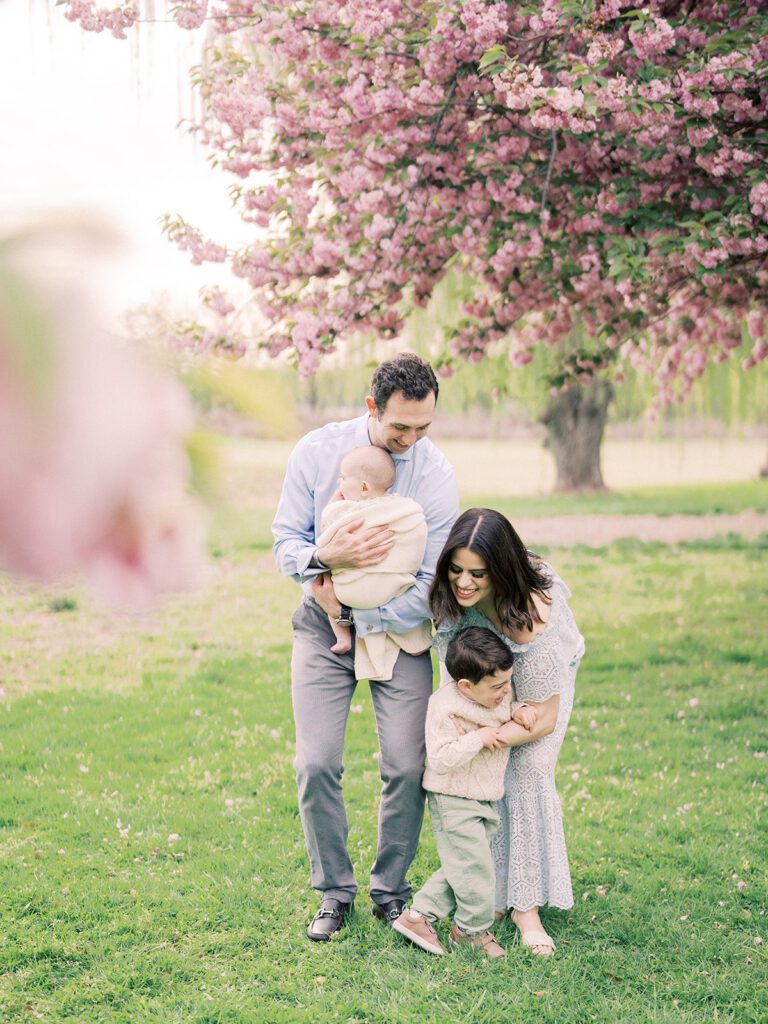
<point x="491" y="690"/>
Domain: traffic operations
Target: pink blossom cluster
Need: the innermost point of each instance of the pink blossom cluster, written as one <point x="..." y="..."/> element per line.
<point x="603" y="171"/>
<point x="96" y="19"/>
<point x="214" y="331"/>
<point x="190" y="13"/>
<point x="758" y="200"/>
<point x="655" y="37"/>
<point x="189" y="239"/>
<point x="94" y="474"/>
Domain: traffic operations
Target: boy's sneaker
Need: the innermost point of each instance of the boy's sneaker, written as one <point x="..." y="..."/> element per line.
<point x="415" y="927"/>
<point x="484" y="942"/>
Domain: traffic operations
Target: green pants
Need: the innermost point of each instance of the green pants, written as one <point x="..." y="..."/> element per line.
<point x="465" y="882"/>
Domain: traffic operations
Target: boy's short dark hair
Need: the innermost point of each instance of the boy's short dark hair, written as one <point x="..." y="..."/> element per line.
<point x="406" y="373"/>
<point x="476" y="652"/>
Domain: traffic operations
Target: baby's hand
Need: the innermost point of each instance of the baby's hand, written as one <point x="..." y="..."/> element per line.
<point x="526" y="717"/>
<point x="489" y="735"/>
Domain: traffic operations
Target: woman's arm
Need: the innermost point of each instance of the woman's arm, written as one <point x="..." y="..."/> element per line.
<point x="513" y="735"/>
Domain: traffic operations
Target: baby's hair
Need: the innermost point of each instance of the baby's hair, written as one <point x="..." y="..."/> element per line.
<point x="372" y="464"/>
<point x="476" y="652"/>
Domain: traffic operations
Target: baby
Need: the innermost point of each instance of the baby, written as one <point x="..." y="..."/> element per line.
<point x="366" y="475"/>
<point x="464" y="778"/>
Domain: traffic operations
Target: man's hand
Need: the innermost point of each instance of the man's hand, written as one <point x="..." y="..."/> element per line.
<point x="353" y="548"/>
<point x="526" y="717"/>
<point x="325" y="595"/>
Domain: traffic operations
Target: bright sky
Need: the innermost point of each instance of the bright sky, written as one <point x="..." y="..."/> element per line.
<point x="89" y="123"/>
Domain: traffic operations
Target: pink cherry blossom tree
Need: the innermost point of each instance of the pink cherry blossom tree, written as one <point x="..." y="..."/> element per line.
<point x="597" y="166"/>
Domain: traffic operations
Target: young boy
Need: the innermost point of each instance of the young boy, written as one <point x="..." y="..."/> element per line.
<point x="464" y="778"/>
<point x="366" y="474"/>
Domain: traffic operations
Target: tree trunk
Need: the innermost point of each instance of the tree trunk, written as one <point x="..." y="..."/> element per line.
<point x="575" y="421"/>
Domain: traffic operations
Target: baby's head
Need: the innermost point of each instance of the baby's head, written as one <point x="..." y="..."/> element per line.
<point x="481" y="665"/>
<point x="366" y="472"/>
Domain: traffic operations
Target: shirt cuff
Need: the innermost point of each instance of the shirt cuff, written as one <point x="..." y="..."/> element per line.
<point x="368" y="620"/>
<point x="315" y="563"/>
<point x="308" y="565"/>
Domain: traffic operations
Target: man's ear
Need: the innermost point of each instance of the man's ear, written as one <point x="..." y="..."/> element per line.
<point x="371" y="406"/>
<point x="465" y="687"/>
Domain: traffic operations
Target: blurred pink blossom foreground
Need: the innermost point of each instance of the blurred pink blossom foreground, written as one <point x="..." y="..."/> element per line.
<point x="94" y="475"/>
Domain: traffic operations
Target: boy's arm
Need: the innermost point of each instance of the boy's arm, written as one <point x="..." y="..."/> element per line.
<point x="446" y="750"/>
<point x="513" y="735"/>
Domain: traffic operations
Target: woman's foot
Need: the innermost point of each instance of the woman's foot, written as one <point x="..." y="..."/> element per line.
<point x="532" y="932"/>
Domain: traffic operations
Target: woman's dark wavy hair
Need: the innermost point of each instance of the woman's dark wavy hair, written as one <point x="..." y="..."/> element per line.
<point x="512" y="569"/>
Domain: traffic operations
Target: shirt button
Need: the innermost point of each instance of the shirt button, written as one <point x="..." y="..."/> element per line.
<point x="370" y="629"/>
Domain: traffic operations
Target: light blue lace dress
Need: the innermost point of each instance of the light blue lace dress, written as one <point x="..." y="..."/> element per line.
<point x="529" y="848"/>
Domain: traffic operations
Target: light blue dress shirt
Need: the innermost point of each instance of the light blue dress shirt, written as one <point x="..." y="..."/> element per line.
<point x="422" y="473"/>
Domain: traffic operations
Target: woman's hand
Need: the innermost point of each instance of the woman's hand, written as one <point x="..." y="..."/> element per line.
<point x="514" y="735"/>
<point x="526" y="716"/>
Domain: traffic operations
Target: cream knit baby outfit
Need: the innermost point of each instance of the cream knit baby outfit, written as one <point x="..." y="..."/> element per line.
<point x="461" y="765"/>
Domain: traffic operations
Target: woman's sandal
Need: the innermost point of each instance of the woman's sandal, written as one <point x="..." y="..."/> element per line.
<point x="533" y="938"/>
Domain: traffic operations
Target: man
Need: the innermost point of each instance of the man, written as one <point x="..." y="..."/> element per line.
<point x="400" y="409"/>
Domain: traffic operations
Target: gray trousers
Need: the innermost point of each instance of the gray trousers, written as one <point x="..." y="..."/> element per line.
<point x="322" y="688"/>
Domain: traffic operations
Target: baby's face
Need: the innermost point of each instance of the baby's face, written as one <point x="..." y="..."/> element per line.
<point x="350" y="486"/>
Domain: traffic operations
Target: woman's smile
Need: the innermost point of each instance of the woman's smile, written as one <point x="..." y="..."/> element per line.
<point x="468" y="577"/>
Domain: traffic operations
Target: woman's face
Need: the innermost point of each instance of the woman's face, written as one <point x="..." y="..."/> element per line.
<point x="468" y="578"/>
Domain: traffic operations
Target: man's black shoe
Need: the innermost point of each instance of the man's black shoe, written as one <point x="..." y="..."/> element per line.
<point x="389" y="911"/>
<point x="328" y="920"/>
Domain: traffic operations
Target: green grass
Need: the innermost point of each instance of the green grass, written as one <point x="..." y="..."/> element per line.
<point x="152" y="866"/>
<point x="690" y="499"/>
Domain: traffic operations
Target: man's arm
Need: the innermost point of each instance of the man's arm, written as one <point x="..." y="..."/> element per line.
<point x="294" y="527"/>
<point x="409" y="610"/>
<point x="294" y="524"/>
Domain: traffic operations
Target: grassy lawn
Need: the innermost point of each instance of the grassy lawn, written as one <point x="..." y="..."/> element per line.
<point x="152" y="866"/>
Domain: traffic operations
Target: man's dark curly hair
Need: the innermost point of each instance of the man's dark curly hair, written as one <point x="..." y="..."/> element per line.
<point x="406" y="373"/>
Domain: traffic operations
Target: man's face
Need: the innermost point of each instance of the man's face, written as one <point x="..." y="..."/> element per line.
<point x="402" y="422"/>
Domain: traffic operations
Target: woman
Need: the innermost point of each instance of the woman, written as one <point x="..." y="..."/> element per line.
<point x="486" y="577"/>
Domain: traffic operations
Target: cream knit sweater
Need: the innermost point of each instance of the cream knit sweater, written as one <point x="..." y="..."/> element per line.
<point x="461" y="765"/>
